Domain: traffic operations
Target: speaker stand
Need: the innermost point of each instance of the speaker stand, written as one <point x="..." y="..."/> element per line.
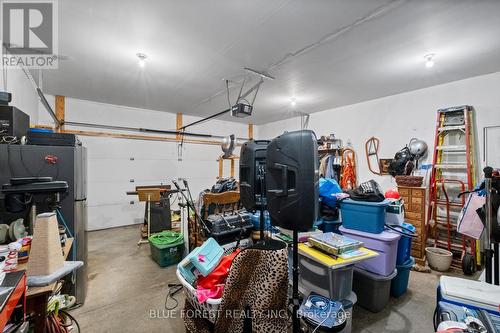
<point x="295" y="282"/>
<point x="262" y="208"/>
<point x="261" y="223"/>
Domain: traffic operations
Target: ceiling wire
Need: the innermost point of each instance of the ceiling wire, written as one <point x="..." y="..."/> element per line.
<point x="378" y="12"/>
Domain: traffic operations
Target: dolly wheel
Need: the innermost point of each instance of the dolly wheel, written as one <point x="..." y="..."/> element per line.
<point x="468" y="264"/>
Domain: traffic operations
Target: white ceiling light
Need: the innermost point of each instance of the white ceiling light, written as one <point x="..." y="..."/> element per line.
<point x="142" y="59"/>
<point x="429" y="60"/>
<point x="293" y="101"/>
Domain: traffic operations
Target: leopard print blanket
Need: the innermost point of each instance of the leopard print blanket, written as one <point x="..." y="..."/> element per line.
<point x="255" y="295"/>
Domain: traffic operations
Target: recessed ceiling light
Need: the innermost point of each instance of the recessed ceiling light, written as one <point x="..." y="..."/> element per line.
<point x="142" y="59"/>
<point x="293" y="101"/>
<point x="429" y="60"/>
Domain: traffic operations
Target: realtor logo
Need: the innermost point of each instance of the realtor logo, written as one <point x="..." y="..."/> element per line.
<point x="29" y="33"/>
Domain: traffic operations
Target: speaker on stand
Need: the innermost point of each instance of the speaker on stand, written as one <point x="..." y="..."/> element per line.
<point x="282" y="176"/>
<point x="292" y="185"/>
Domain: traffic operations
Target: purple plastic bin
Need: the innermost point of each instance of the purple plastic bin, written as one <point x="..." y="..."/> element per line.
<point x="385" y="243"/>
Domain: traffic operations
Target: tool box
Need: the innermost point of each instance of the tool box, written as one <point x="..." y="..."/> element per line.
<point x="201" y="261"/>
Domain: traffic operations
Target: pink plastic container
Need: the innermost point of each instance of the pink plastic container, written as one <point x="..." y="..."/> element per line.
<point x="385" y="243"/>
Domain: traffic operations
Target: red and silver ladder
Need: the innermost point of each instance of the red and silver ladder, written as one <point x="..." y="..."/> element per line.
<point x="454" y="170"/>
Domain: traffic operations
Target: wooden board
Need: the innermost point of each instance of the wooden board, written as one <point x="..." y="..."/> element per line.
<point x="149" y="194"/>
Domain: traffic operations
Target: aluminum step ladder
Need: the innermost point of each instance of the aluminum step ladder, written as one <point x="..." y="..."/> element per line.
<point x="454" y="170"/>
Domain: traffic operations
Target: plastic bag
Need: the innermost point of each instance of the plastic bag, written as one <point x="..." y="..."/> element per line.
<point x="469" y="222"/>
<point x="328" y="187"/>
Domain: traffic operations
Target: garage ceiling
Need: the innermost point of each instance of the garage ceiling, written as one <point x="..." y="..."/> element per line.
<point x="325" y="53"/>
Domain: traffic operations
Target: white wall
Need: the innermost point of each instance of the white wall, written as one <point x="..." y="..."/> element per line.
<point x="396" y="119"/>
<point x="24" y="96"/>
<point x="113" y="162"/>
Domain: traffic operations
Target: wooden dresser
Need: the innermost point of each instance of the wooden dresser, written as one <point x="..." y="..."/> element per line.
<point x="414" y="201"/>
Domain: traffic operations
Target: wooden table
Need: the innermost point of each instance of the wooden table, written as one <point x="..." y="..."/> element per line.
<point x="37" y="297"/>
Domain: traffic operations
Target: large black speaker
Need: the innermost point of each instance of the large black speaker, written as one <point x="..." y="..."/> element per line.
<point x="292" y="180"/>
<point x="253" y="158"/>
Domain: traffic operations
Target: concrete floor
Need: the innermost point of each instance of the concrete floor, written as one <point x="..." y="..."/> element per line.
<point x="127" y="292"/>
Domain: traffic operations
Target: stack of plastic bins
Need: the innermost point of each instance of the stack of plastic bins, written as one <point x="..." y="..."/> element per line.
<point x="372" y="277"/>
<point x="384" y="243"/>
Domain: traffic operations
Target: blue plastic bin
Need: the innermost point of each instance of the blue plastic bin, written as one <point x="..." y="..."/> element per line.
<point x="399" y="284"/>
<point x="364" y="216"/>
<point x="404" y="245"/>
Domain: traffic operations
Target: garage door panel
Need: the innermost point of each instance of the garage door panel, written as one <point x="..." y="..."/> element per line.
<point x="121" y="148"/>
<point x="115" y="192"/>
<point x="105" y="170"/>
<point x="109" y="216"/>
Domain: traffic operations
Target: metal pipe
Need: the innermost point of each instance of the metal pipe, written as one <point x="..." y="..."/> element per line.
<point x="139" y="137"/>
<point x="488" y="174"/>
<point x="136" y="129"/>
<point x="46" y="104"/>
<point x="295" y="282"/>
<point x="496" y="264"/>
<point x="262" y="207"/>
<point x="32" y="217"/>
<point x="146" y="130"/>
<point x="39" y="91"/>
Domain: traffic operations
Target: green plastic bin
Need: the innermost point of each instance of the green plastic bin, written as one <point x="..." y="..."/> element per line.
<point x="166" y="248"/>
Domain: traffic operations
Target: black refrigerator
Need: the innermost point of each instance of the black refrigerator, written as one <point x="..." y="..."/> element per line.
<point x="70" y="166"/>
